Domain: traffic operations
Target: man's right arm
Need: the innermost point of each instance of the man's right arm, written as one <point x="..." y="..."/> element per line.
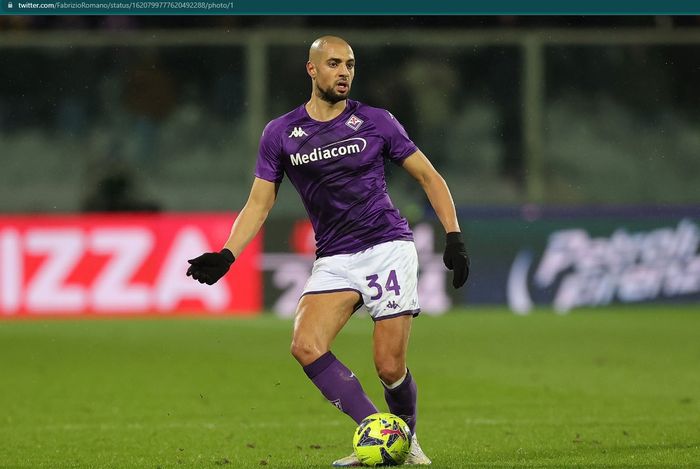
<point x="211" y="266"/>
<point x="260" y="201"/>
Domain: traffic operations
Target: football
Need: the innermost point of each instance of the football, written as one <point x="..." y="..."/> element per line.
<point x="382" y="439"/>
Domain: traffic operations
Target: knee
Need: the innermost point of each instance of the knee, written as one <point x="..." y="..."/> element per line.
<point x="390" y="370"/>
<point x="305" y="352"/>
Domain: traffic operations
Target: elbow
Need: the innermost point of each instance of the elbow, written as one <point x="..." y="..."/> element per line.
<point x="256" y="211"/>
<point x="431" y="179"/>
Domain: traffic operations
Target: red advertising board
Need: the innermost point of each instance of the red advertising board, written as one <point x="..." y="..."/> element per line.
<point x="120" y="264"/>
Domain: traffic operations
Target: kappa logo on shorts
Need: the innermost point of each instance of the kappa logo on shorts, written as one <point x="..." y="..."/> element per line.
<point x="354" y="122"/>
<point x="392" y="304"/>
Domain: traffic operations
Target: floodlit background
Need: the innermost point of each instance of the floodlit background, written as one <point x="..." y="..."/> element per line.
<point x="539" y="124"/>
<point x="571" y="146"/>
<point x="549" y="111"/>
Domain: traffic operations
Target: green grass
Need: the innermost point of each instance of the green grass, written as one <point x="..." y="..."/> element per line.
<point x="597" y="388"/>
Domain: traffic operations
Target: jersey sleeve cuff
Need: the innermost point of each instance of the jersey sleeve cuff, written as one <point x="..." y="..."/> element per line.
<point x="402" y="157"/>
<point x="269" y="177"/>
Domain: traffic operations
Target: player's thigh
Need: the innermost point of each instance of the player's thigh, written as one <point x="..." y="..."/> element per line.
<point x="390" y="344"/>
<point x="319" y="318"/>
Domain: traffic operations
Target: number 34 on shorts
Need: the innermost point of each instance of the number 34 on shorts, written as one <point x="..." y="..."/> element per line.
<point x="385" y="275"/>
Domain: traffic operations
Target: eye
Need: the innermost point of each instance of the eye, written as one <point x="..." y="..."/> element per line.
<point x="351" y="66"/>
<point x="332" y="64"/>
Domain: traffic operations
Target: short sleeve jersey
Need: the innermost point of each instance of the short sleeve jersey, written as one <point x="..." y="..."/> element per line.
<point x="338" y="169"/>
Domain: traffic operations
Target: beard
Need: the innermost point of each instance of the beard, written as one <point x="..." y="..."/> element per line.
<point x="330" y="95"/>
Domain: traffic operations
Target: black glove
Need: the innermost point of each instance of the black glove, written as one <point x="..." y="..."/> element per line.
<point x="210" y="266"/>
<point x="456" y="258"/>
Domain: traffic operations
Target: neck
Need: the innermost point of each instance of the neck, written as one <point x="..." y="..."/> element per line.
<point x="321" y="110"/>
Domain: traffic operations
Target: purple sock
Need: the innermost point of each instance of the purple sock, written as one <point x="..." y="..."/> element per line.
<point x="340" y="387"/>
<point x="402" y="400"/>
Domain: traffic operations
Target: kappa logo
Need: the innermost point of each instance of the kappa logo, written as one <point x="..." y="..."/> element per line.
<point x="392" y="304"/>
<point x="354" y="122"/>
<point x="297" y="132"/>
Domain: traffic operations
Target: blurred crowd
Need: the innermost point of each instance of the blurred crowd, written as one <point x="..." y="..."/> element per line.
<point x="128" y="127"/>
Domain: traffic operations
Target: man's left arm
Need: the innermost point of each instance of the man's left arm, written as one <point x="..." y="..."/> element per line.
<point x="435" y="187"/>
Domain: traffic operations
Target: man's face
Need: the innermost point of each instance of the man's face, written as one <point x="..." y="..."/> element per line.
<point x="333" y="72"/>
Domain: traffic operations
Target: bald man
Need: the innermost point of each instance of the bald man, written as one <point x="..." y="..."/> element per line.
<point x="332" y="149"/>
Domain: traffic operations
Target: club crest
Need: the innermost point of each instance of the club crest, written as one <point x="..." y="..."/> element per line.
<point x="354" y="122"/>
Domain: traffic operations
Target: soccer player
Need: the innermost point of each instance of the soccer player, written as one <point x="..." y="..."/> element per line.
<point x="332" y="149"/>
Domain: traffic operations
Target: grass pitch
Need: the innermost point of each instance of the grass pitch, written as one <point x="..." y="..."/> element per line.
<point x="597" y="388"/>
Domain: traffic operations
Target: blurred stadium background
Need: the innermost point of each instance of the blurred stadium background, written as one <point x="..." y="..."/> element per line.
<point x="572" y="148"/>
<point x="541" y="126"/>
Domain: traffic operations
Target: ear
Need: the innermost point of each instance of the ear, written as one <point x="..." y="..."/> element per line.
<point x="311" y="69"/>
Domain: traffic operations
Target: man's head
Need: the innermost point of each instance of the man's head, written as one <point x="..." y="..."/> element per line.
<point x="331" y="67"/>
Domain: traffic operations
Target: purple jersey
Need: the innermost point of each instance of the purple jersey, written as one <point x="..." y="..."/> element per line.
<point x="338" y="169"/>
